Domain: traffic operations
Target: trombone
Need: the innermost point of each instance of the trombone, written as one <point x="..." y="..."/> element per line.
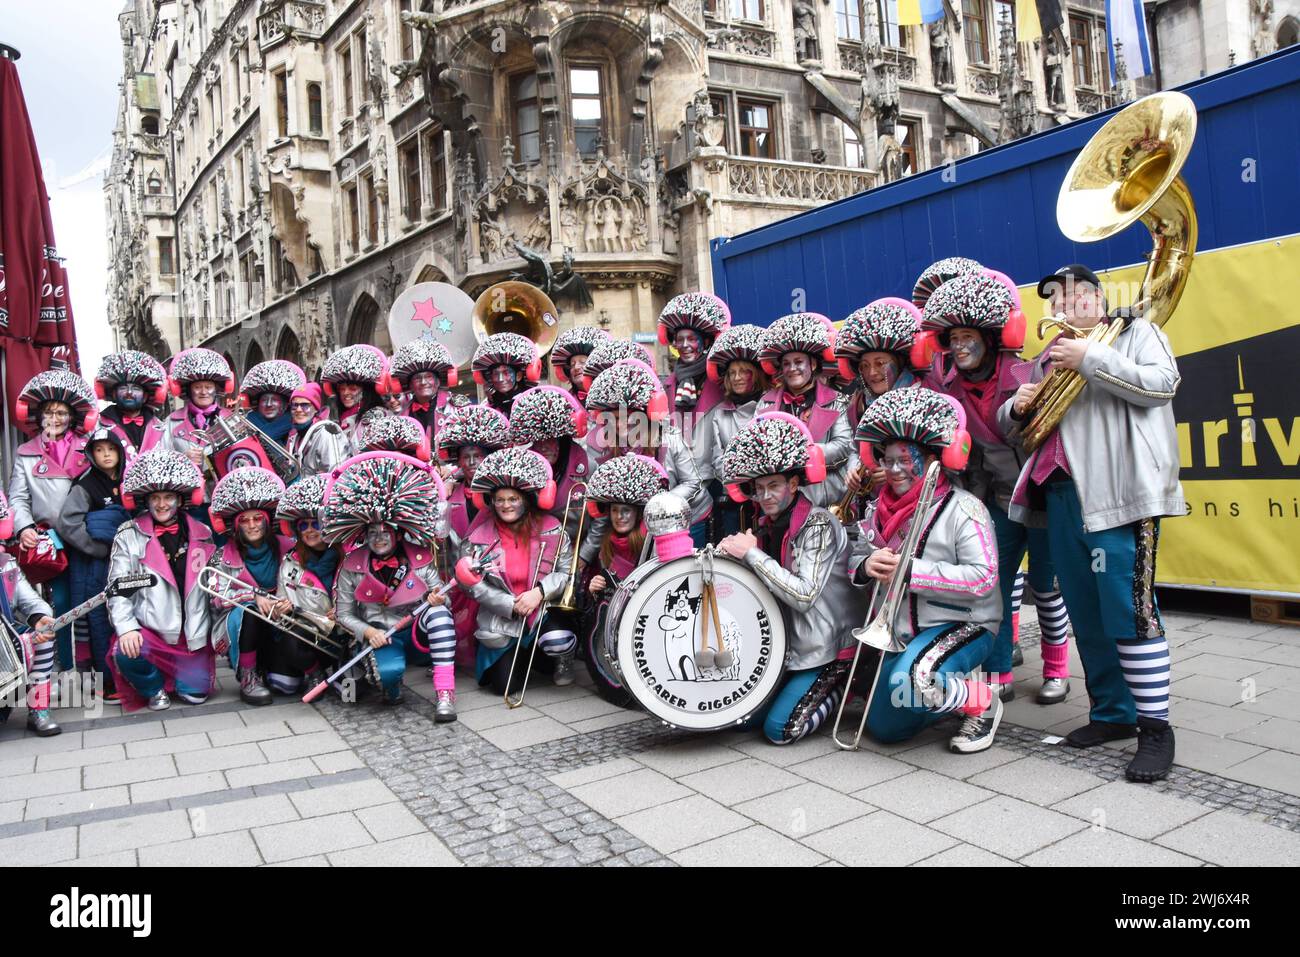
<point x="569" y="600"/>
<point x="513" y="703"/>
<point x="879" y="632"/>
<point x="311" y="629"/>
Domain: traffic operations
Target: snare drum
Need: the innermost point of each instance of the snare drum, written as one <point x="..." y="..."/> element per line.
<point x="655" y="620"/>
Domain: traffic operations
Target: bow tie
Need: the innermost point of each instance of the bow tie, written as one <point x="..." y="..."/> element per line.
<point x="389" y="562"/>
<point x="133" y="420"/>
<point x="419" y="407"/>
<point x="796" y="400"/>
<point x="172" y="529"/>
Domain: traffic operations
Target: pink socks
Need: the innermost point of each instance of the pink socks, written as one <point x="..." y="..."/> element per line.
<point x="978" y="696"/>
<point x="1056" y="660"/>
<point x="444" y="678"/>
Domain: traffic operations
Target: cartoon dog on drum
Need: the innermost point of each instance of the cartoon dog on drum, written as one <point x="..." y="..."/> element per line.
<point x="680" y="627"/>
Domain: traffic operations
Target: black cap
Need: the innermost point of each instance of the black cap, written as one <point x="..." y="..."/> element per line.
<point x="1075" y="272"/>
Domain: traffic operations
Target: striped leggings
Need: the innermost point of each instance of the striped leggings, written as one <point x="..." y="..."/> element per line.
<point x="38" y="678"/>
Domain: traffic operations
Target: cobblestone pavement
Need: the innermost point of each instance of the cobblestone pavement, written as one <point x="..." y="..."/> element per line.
<point x="570" y="779"/>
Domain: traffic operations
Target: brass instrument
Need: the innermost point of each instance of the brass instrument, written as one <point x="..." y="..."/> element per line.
<point x="569" y="600"/>
<point x="227" y="430"/>
<point x="517" y="307"/>
<point x="311" y="629"/>
<point x="1127" y="172"/>
<point x="841" y="508"/>
<point x="879" y="632"/>
<point x="517" y="702"/>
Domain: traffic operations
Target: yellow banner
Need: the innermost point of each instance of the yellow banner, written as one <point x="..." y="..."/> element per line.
<point x="1236" y="334"/>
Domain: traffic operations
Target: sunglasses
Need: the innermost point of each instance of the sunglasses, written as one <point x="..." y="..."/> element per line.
<point x="302" y="406"/>
<point x="308" y="524"/>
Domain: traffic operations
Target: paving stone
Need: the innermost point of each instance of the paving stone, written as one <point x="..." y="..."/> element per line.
<point x="1007" y="826"/>
<point x="1136" y="811"/>
<point x="1097" y="847"/>
<point x="41" y="783"/>
<point x="168" y="745"/>
<point x="483" y="719"/>
<point x="78" y="759"/>
<point x="140" y="730"/>
<point x="48" y="847"/>
<point x="879" y="839"/>
<point x="11" y="811"/>
<point x="579" y="709"/>
<point x="679" y="760"/>
<point x="950" y="764"/>
<point x="118" y="859"/>
<point x="24" y="765"/>
<point x="755" y="846"/>
<point x="608" y="721"/>
<point x="740" y="781"/>
<point x="388" y="821"/>
<point x="848" y="771"/>
<point x="144" y="830"/>
<point x="196" y="722"/>
<point x="130" y="771"/>
<point x="235" y="849"/>
<point x="1228" y="645"/>
<point x="757" y="746"/>
<point x="302" y="745"/>
<point x="1220" y="666"/>
<point x="262" y="731"/>
<point x="316" y="860"/>
<point x="1272" y="769"/>
<point x="923" y="796"/>
<point x="804" y="809"/>
<point x="257" y="774"/>
<point x="341" y="797"/>
<point x="629" y="793"/>
<point x="418" y="850"/>
<point x="337" y="761"/>
<point x="1037" y="781"/>
<point x="1210" y="688"/>
<point x="1210" y="752"/>
<point x="182" y="786"/>
<point x="75" y="802"/>
<point x="219" y="759"/>
<point x="281" y="709"/>
<point x="679" y="824"/>
<point x="1277" y="733"/>
<point x="965" y="855"/>
<point x="1273" y="676"/>
<point x="524" y="733"/>
<point x="1230" y="839"/>
<point x="596" y="772"/>
<point x="241" y="815"/>
<point x="1280" y="703"/>
<point x="317" y="835"/>
<point x="307" y="723"/>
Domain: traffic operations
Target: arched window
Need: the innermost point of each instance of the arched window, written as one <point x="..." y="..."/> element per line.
<point x="289" y="347"/>
<point x="314" y="123"/>
<point x="149" y="124"/>
<point x="1288" y="32"/>
<point x="254" y="355"/>
<point x="154" y="184"/>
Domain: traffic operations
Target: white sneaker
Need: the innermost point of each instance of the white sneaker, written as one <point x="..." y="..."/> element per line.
<point x="977" y="730"/>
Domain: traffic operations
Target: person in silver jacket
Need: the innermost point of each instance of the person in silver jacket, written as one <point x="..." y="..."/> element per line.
<point x="952" y="606"/>
<point x="800" y="553"/>
<point x="316" y="442"/>
<point x="357" y="381"/>
<point x="1105" y="476"/>
<point x="27" y="609"/>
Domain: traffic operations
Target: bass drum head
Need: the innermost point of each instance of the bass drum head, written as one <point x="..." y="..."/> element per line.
<point x="658" y="633"/>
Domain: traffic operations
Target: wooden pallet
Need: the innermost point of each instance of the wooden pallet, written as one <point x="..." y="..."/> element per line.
<point x="1275" y="611"/>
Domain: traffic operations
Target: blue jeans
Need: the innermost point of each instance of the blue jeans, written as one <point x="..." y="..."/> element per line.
<point x="1014" y="540"/>
<point x="148" y="680"/>
<point x="394" y="657"/>
<point x="897" y="711"/>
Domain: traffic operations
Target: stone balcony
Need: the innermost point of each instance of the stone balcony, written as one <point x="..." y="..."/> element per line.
<point x="742" y="179"/>
<point x="157" y="204"/>
<point x="303" y="19"/>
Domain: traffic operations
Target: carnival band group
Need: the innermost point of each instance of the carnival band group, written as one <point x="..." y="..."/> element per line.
<point x="871" y="478"/>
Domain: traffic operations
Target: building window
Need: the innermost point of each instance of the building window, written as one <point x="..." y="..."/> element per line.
<point x="281" y="104"/>
<point x="166" y="256"/>
<point x="908" y="134"/>
<point x="528" y="136"/>
<point x="314" y="122"/>
<point x="408" y="159"/>
<point x="891" y="34"/>
<point x="974" y="15"/>
<point x="345" y="82"/>
<point x="407" y="31"/>
<point x="757" y="129"/>
<point x="372" y="211"/>
<point x="853" y="154"/>
<point x="352" y="213"/>
<point x="712" y="7"/>
<point x="436" y="149"/>
<point x="848" y="19"/>
<point x="719" y="104"/>
<point x="1081" y="50"/>
<point x="149" y="124"/>
<point x="235" y="72"/>
<point x="747" y="10"/>
<point x="586" y="108"/>
<point x="154" y="184"/>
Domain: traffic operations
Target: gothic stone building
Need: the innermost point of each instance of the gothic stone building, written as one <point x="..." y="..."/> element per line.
<point x="284" y="168"/>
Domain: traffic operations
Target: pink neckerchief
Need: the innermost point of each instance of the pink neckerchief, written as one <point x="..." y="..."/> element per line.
<point x="893" y="511"/>
<point x="623" y="559"/>
<point x="516" y="555"/>
<point x="59" y="448"/>
<point x="201" y="417"/>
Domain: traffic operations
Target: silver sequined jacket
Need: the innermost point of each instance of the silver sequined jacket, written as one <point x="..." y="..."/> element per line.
<point x="321" y="447"/>
<point x="497" y="625"/>
<point x="159" y="608"/>
<point x="355" y="616"/>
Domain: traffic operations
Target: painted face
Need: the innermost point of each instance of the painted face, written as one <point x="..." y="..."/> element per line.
<point x="301" y="411"/>
<point x="203" y="393"/>
<point x="163" y="506"/>
<point x="688" y="344"/>
<point x="1080" y="302"/>
<point x="468" y="459"/>
<point x="252" y="526"/>
<point x="503" y="379"/>
<point x="796" y="371"/>
<point x="423" y="385"/>
<point x="381" y="540"/>
<point x="774" y="493"/>
<point x="56" y="418"/>
<point x="508" y="504"/>
<point x="904" y="463"/>
<point x="349" y="394"/>
<point x="548" y="449"/>
<point x="576" y="365"/>
<point x="105" y="455"/>
<point x="393" y="402"/>
<point x="129" y="395"/>
<point x="623" y="518"/>
<point x="270" y="405"/>
<point x="309" y="532"/>
<point x="879" y="370"/>
<point x="968" y="348"/>
<point x="741" y="376"/>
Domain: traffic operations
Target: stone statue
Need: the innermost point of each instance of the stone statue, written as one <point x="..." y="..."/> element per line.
<point x="1262" y="42"/>
<point x="709" y="129"/>
<point x="941" y="54"/>
<point x="375" y="81"/>
<point x="1054" y="71"/>
<point x="805" y="31"/>
<point x="404" y="69"/>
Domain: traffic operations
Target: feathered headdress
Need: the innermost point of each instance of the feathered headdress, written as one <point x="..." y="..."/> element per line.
<point x="807" y="332"/>
<point x="744" y="343"/>
<point x="629" y="479"/>
<point x="397" y="433"/>
<point x="274" y="375"/>
<point x="129" y="365"/>
<point x="161" y="470"/>
<point x="886" y="325"/>
<point x="423" y="355"/>
<point x="607" y="353"/>
<point x="56" y="385"/>
<point x="479" y="425"/>
<point x="702" y="311"/>
<point x="197" y="365"/>
<point x="301" y="500"/>
<point x="774" y="443"/>
<point x="361" y="364"/>
<point x="249" y="488"/>
<point x="936" y="274"/>
<point x="628" y="385"/>
<point x="923" y="416"/>
<point x="546" y="412"/>
<point x="516" y="468"/>
<point x="977" y="301"/>
<point x="578" y="341"/>
<point x="507" y="349"/>
<point x="382" y="488"/>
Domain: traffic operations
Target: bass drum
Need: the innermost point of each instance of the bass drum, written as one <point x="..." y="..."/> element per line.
<point x="655" y="620"/>
<point x="605" y="677"/>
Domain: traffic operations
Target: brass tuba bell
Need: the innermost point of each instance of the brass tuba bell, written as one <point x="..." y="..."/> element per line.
<point x="517" y="307"/>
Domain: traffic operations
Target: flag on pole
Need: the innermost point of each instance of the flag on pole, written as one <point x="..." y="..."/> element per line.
<point x="1037" y="18"/>
<point x="1126" y="25"/>
<point x="912" y="12"/>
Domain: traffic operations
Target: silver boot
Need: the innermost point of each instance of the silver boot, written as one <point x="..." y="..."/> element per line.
<point x="40" y="722"/>
<point x="1053" y="690"/>
<point x="251" y="689"/>
<point x="564" y="671"/>
<point x="160" y="701"/>
<point x="444" y="709"/>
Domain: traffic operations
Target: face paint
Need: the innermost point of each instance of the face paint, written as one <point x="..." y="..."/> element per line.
<point x="301" y="411"/>
<point x="163" y="506"/>
<point x="903" y="463"/>
<point x="741" y="376"/>
<point x="796" y="371"/>
<point x="623" y="518"/>
<point x="252" y="526"/>
<point x="968" y="349"/>
<point x="129" y="396"/>
<point x="503" y="379"/>
<point x="774" y="493"/>
<point x="688" y="344"/>
<point x="380" y="540"/>
<point x="508" y="504"/>
<point x="576" y="365"/>
<point x="424" y="385"/>
<point x="203" y="393"/>
<point x="309" y="533"/>
<point x="468" y="459"/>
<point x="548" y="449"/>
<point x="349" y="394"/>
<point x="270" y="405"/>
<point x="879" y="370"/>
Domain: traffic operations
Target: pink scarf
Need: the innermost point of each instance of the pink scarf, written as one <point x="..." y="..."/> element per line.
<point x="983" y="396"/>
<point x="893" y="511"/>
<point x="59" y="448"/>
<point x="201" y="417"/>
<point x="624" y="561"/>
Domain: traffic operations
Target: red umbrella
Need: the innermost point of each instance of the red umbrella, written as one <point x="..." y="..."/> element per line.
<point x="35" y="312"/>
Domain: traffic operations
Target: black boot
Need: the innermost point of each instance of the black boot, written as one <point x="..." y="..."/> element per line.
<point x="1155" y="753"/>
<point x="1099" y="732"/>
